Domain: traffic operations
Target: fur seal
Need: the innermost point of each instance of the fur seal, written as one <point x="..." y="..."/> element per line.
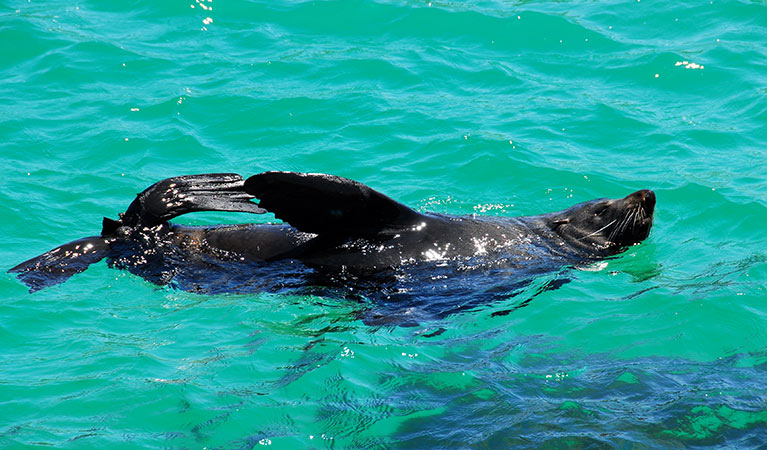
<point x="330" y="225"/>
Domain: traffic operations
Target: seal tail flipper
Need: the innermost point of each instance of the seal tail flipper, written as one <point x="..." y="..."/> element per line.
<point x="327" y="204"/>
<point x="157" y="204"/>
<point x="175" y="196"/>
<point x="57" y="265"/>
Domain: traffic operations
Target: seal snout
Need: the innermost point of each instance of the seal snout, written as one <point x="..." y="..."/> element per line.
<point x="645" y="198"/>
<point x="648" y="201"/>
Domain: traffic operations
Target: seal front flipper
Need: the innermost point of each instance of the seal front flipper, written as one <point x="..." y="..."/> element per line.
<point x="57" y="265"/>
<point x="175" y="196"/>
<point x="328" y="205"/>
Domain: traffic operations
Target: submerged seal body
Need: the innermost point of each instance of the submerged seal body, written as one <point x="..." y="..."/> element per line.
<point x="331" y="225"/>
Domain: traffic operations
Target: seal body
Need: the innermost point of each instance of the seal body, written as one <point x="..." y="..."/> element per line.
<point x="331" y="225"/>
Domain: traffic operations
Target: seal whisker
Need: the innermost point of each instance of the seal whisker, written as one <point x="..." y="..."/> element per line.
<point x="636" y="217"/>
<point x="596" y="232"/>
<point x="630" y="222"/>
<point x="623" y="225"/>
<point x="618" y="229"/>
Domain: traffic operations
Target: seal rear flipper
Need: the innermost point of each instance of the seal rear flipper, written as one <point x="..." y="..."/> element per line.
<point x="327" y="204"/>
<point x="175" y="196"/>
<point x="57" y="265"/>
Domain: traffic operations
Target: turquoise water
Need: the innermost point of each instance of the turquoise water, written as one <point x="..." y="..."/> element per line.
<point x="501" y="108"/>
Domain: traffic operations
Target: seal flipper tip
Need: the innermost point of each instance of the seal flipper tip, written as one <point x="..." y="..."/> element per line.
<point x="175" y="196"/>
<point x="58" y="265"/>
<point x="328" y="204"/>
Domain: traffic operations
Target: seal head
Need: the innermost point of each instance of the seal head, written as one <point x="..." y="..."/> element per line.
<point x="607" y="225"/>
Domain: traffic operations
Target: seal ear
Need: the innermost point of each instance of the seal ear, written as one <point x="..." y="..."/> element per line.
<point x="58" y="265"/>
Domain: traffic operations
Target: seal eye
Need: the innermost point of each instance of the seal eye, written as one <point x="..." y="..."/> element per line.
<point x="600" y="210"/>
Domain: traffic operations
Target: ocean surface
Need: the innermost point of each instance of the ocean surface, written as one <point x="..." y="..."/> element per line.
<point x="489" y="107"/>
